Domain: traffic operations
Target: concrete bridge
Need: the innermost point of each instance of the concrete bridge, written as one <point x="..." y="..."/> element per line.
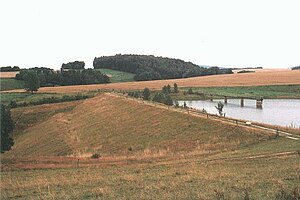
<point x="258" y="100"/>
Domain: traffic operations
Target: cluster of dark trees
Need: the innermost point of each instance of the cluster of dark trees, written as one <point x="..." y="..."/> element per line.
<point x="49" y="77"/>
<point x="82" y="77"/>
<point x="7" y="126"/>
<point x="295" y="68"/>
<point x="135" y="94"/>
<point x="9" y="69"/>
<point x="190" y="91"/>
<point x="160" y="97"/>
<point x="245" y="71"/>
<point x="73" y="65"/>
<point x="163" y="98"/>
<point x="154" y="68"/>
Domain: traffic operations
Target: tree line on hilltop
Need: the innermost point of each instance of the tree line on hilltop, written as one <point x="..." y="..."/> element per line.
<point x="49" y="77"/>
<point x="10" y="69"/>
<point x="154" y="68"/>
<point x="144" y="67"/>
<point x="42" y="76"/>
<point x="73" y="65"/>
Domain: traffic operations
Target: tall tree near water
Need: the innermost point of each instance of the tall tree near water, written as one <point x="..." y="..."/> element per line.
<point x="220" y="107"/>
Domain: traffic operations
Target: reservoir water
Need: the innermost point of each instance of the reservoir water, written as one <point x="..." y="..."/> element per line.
<point x="282" y="112"/>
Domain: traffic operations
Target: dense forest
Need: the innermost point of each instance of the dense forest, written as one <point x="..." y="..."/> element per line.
<point x="154" y="68"/>
<point x="73" y="65"/>
<point x="9" y="69"/>
<point x="49" y="77"/>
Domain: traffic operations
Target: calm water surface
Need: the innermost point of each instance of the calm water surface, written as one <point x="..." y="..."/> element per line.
<point x="283" y="112"/>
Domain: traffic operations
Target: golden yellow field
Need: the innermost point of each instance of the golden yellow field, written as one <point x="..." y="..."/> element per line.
<point x="8" y="74"/>
<point x="263" y="77"/>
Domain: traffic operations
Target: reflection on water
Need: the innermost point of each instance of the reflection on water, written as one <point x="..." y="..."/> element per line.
<point x="283" y="112"/>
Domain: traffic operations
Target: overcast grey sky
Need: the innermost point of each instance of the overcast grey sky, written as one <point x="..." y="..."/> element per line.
<point x="231" y="33"/>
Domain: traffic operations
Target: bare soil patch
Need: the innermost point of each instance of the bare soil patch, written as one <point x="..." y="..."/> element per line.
<point x="8" y="74"/>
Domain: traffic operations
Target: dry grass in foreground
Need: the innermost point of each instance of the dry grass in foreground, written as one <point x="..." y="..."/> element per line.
<point x="175" y="177"/>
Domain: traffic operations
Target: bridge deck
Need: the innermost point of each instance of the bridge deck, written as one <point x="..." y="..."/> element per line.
<point x="229" y="96"/>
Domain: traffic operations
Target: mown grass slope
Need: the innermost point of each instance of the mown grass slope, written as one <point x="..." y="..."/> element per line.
<point x="36" y="134"/>
<point x="112" y="125"/>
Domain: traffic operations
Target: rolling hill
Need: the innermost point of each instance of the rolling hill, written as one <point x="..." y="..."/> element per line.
<point x="154" y="68"/>
<point x="111" y="125"/>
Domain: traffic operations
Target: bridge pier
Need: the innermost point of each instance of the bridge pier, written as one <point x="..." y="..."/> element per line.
<point x="259" y="103"/>
<point x="259" y="100"/>
<point x="242" y="102"/>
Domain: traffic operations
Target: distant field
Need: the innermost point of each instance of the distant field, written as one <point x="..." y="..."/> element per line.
<point x="10" y="84"/>
<point x="267" y="92"/>
<point x="8" y="74"/>
<point x="118" y="76"/>
<point x="269" y="77"/>
<point x="260" y="70"/>
<point x="147" y="152"/>
<point x="278" y="91"/>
